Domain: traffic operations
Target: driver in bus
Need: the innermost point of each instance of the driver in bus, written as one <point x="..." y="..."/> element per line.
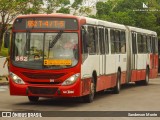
<point x="69" y="44"/>
<point x="71" y="50"/>
<point x="66" y="50"/>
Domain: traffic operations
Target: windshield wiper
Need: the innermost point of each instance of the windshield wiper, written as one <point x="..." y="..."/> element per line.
<point x="54" y="41"/>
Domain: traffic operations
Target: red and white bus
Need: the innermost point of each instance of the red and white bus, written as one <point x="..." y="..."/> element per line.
<point x="58" y="55"/>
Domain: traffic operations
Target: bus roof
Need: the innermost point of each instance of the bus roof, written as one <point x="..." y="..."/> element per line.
<point x="145" y="31"/>
<point x="61" y="15"/>
<point x="104" y="23"/>
<point x="92" y="21"/>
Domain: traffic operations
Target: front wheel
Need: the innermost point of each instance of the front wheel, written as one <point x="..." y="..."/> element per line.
<point x="89" y="98"/>
<point x="33" y="98"/>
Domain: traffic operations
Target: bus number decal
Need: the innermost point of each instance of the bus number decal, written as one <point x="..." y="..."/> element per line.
<point x="21" y="58"/>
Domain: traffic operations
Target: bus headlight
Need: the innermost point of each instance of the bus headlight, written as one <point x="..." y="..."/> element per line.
<point x="16" y="79"/>
<point x="71" y="79"/>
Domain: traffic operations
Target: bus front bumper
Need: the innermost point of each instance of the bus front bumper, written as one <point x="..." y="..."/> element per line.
<point x="45" y="90"/>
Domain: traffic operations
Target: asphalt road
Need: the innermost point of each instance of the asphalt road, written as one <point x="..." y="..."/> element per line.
<point x="131" y="98"/>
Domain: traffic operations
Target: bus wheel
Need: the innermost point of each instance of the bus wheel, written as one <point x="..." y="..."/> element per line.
<point x="146" y="81"/>
<point x="117" y="88"/>
<point x="33" y="98"/>
<point x="89" y="98"/>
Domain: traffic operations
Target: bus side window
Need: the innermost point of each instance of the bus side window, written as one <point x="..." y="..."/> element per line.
<point x="106" y="41"/>
<point x="144" y="43"/>
<point x="101" y="41"/>
<point x="85" y="37"/>
<point x="139" y="41"/>
<point x="148" y="45"/>
<point x="117" y="41"/>
<point x="96" y="39"/>
<point x="91" y="40"/>
<point x="112" y="41"/>
<point x="123" y="42"/>
<point x="153" y="45"/>
<point x="156" y="45"/>
<point x="134" y="45"/>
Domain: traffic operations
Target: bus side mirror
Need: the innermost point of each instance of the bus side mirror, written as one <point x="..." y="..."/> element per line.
<point x="6" y="39"/>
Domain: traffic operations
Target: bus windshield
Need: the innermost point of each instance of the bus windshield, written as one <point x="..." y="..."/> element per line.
<point x="45" y="50"/>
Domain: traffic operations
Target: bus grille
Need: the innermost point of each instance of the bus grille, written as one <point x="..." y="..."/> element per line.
<point x="47" y="83"/>
<point x="43" y="75"/>
<point x="39" y="90"/>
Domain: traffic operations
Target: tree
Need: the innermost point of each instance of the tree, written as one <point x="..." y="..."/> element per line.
<point x="131" y="12"/>
<point x="33" y="7"/>
<point x="9" y="9"/>
<point x="53" y="6"/>
<point x="78" y="7"/>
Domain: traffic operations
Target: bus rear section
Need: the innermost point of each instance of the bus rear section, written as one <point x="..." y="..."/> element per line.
<point x="144" y="64"/>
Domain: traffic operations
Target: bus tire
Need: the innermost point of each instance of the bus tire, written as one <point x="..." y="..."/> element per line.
<point x="146" y="81"/>
<point x="117" y="88"/>
<point x="89" y="98"/>
<point x="33" y="98"/>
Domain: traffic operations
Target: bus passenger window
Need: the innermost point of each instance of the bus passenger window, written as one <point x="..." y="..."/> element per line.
<point x="112" y="41"/>
<point x="106" y="41"/>
<point x="139" y="40"/>
<point x="144" y="44"/>
<point x="117" y="42"/>
<point x="123" y="42"/>
<point x="101" y="41"/>
<point x="84" y="36"/>
<point x="153" y="44"/>
<point x="134" y="43"/>
<point x="151" y="47"/>
<point x="91" y="40"/>
<point x="148" y="44"/>
<point x="156" y="45"/>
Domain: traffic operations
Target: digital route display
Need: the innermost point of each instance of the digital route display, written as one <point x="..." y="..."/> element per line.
<point x="45" y="23"/>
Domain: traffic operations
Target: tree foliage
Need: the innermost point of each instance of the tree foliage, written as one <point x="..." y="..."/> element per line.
<point x="53" y="6"/>
<point x="65" y="6"/>
<point x="33" y="7"/>
<point x="9" y="9"/>
<point x="131" y="12"/>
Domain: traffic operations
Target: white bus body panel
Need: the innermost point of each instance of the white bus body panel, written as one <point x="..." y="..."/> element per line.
<point x="90" y="64"/>
<point x="104" y="64"/>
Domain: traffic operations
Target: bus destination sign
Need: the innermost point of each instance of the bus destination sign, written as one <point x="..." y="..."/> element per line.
<point x="45" y="24"/>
